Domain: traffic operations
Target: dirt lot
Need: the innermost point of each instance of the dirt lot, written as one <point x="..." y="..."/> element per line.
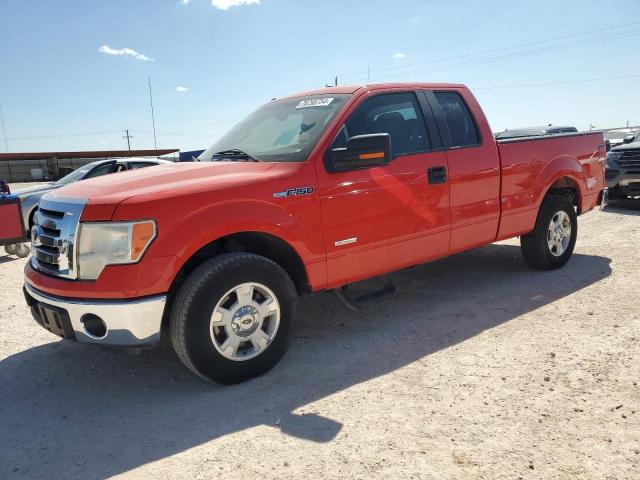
<point x="479" y="368"/>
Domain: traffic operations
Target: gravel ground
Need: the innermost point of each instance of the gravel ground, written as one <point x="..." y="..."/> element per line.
<point x="479" y="368"/>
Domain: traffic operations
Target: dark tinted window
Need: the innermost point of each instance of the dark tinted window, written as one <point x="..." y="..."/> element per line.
<point x="397" y="114"/>
<point x="459" y="120"/>
<point x="135" y="165"/>
<point x="101" y="170"/>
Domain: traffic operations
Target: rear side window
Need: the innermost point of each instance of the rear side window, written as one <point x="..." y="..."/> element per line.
<point x="459" y="120"/>
<point x="397" y="114"/>
<point x="135" y="165"/>
<point x="101" y="170"/>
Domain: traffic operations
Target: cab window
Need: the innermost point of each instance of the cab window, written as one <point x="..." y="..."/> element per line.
<point x="459" y="121"/>
<point x="397" y="114"/>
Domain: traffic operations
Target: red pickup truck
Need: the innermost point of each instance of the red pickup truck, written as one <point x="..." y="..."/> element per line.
<point x="310" y="192"/>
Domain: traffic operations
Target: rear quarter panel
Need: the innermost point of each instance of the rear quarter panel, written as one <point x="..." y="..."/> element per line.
<point x="531" y="166"/>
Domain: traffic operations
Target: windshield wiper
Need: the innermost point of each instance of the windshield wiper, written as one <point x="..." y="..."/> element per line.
<point x="234" y="155"/>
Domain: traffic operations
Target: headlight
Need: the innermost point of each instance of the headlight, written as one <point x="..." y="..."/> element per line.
<point x="613" y="157"/>
<point x="112" y="243"/>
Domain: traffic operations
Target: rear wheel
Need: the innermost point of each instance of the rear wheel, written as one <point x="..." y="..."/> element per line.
<point x="234" y="317"/>
<point x="11" y="248"/>
<point x="553" y="239"/>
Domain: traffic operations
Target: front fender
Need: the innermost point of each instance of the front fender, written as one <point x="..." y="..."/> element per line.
<point x="182" y="231"/>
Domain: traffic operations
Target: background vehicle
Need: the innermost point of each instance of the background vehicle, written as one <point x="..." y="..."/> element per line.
<point x="31" y="196"/>
<point x="620" y="136"/>
<point x="310" y="192"/>
<point x="623" y="170"/>
<point x="534" y="132"/>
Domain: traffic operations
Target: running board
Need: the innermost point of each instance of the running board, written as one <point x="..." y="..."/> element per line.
<point x="356" y="302"/>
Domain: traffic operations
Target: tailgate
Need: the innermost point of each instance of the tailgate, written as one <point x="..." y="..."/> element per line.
<point x="11" y="225"/>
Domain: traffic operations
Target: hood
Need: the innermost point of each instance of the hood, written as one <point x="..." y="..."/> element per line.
<point x="36" y="189"/>
<point x="626" y="146"/>
<point x="162" y="180"/>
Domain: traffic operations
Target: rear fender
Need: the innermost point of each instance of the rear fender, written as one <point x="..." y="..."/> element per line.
<point x="560" y="167"/>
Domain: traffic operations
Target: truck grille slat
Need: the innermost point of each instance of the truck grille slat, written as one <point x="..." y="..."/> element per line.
<point x="54" y="234"/>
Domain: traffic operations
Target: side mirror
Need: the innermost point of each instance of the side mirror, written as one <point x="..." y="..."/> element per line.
<point x="628" y="139"/>
<point x="362" y="151"/>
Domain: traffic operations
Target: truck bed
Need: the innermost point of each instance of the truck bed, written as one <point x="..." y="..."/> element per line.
<point x="530" y="164"/>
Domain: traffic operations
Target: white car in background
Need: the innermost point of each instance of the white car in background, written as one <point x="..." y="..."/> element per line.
<point x="30" y="197"/>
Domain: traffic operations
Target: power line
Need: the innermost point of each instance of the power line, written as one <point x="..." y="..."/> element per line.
<point x="64" y="135"/>
<point x="485" y="52"/>
<point x="560" y="82"/>
<point x="509" y="56"/>
<point x="493" y="50"/>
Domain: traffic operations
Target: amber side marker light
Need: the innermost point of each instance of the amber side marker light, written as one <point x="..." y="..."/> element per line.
<point x="141" y="237"/>
<point x="369" y="156"/>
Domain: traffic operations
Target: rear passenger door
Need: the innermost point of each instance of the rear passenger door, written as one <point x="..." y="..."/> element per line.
<point x="474" y="168"/>
<point x="385" y="217"/>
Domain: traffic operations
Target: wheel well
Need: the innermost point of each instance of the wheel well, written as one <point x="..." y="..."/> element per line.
<point x="259" y="243"/>
<point x="33" y="212"/>
<point x="567" y="187"/>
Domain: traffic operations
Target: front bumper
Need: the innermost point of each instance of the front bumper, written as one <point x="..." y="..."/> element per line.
<point x="618" y="178"/>
<point x="135" y="322"/>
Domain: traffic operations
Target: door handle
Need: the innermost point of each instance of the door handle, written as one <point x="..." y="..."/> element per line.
<point x="437" y="175"/>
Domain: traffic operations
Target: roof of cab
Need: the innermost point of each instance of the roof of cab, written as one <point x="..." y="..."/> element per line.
<point x="350" y="89"/>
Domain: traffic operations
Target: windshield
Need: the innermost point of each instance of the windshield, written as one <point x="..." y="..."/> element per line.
<point x="618" y="134"/>
<point x="280" y="131"/>
<point x="77" y="174"/>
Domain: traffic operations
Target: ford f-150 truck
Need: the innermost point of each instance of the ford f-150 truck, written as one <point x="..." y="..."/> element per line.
<point x="310" y="192"/>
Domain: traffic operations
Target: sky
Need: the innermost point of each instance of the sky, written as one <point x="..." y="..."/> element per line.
<point x="74" y="74"/>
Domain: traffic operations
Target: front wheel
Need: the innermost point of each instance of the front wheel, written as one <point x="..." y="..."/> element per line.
<point x="11" y="248"/>
<point x="22" y="250"/>
<point x="553" y="238"/>
<point x="234" y="317"/>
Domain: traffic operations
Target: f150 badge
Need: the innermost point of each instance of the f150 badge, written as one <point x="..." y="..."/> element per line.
<point x="294" y="192"/>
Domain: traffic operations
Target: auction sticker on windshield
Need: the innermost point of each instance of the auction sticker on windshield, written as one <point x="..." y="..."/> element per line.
<point x="315" y="102"/>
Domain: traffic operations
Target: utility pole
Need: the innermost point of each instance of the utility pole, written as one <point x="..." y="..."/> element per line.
<point x="153" y="120"/>
<point x="4" y="132"/>
<point x="336" y="81"/>
<point x="128" y="137"/>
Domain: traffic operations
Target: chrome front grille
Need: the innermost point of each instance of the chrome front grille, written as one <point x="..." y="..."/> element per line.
<point x="53" y="235"/>
<point x="630" y="161"/>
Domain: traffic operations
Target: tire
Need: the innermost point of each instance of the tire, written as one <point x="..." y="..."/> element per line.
<point x="537" y="246"/>
<point x="11" y="248"/>
<point x="207" y="344"/>
<point x="22" y="250"/>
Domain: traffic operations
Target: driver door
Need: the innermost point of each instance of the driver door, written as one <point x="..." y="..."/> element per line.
<point x="387" y="217"/>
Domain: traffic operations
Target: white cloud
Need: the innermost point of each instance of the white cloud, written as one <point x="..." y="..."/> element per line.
<point x="185" y="2"/>
<point x="126" y="52"/>
<point x="399" y="55"/>
<point x="181" y="89"/>
<point x="227" y="4"/>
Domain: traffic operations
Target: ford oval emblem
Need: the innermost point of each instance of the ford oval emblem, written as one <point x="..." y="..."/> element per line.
<point x="36" y="235"/>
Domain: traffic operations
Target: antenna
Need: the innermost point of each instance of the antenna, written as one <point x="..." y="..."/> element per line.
<point x="4" y="132"/>
<point x="153" y="120"/>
